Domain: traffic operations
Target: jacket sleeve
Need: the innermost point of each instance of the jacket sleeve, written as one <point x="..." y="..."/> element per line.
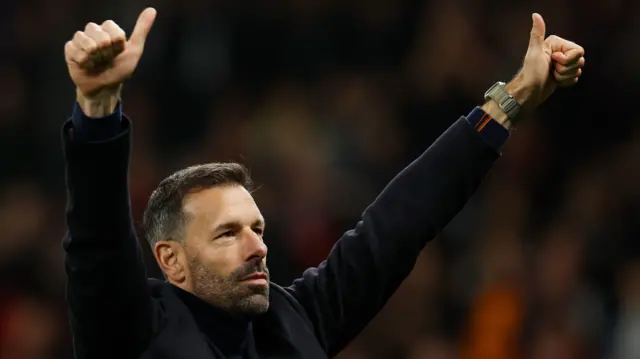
<point x="365" y="267"/>
<point x="110" y="307"/>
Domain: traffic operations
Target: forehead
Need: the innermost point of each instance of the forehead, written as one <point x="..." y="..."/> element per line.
<point x="222" y="204"/>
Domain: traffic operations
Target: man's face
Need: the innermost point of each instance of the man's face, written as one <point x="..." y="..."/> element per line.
<point x="225" y="251"/>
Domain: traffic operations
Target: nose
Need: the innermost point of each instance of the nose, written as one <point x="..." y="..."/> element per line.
<point x="255" y="245"/>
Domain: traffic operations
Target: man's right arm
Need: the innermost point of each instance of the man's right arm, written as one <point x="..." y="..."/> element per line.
<point x="110" y="308"/>
<point x="111" y="311"/>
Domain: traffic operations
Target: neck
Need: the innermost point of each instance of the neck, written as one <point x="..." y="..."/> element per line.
<point x="226" y="331"/>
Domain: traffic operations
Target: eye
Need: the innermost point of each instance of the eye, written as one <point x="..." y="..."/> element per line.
<point x="226" y="234"/>
<point x="258" y="231"/>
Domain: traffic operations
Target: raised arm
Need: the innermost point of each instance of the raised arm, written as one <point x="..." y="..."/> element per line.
<point x="369" y="262"/>
<point x="110" y="308"/>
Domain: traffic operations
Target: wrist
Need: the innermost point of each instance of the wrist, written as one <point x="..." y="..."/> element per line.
<point x="98" y="106"/>
<point x="493" y="109"/>
<point x="520" y="91"/>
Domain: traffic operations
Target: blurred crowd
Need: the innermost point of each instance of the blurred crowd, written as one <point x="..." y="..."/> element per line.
<point x="325" y="101"/>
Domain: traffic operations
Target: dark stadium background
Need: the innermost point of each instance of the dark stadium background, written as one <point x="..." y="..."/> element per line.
<point x="325" y="101"/>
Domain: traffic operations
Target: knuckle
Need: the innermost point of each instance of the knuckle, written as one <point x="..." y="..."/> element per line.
<point x="91" y="26"/>
<point x="121" y="35"/>
<point x="111" y="26"/>
<point x="68" y="49"/>
<point x="117" y="37"/>
<point x="114" y="31"/>
<point x="100" y="38"/>
<point x="103" y="43"/>
<point x="91" y="47"/>
<point x="109" y="23"/>
<point x="78" y="35"/>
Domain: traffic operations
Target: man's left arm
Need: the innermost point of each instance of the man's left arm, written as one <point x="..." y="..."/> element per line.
<point x="369" y="262"/>
<point x="365" y="267"/>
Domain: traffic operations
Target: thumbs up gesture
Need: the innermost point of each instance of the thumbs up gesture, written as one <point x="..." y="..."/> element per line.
<point x="100" y="59"/>
<point x="549" y="63"/>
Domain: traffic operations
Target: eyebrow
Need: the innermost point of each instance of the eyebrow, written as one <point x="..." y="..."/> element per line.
<point x="236" y="225"/>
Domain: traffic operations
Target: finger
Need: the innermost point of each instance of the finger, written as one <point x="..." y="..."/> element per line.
<point x="564" y="69"/>
<point x="117" y="35"/>
<point x="563" y="45"/>
<point x="559" y="57"/>
<point x="87" y="46"/>
<point x="143" y="26"/>
<point x="538" y="30"/>
<point x="84" y="42"/>
<point x="569" y="49"/>
<point x="567" y="59"/>
<point x="568" y="82"/>
<point x="75" y="54"/>
<point x="103" y="52"/>
<point x="563" y="78"/>
<point x="574" y="54"/>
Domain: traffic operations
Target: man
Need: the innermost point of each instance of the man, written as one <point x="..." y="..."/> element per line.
<point x="207" y="233"/>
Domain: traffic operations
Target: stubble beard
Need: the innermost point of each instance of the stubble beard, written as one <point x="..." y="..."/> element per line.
<point x="229" y="293"/>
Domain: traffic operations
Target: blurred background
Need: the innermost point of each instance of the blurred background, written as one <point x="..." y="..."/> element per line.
<point x="325" y="101"/>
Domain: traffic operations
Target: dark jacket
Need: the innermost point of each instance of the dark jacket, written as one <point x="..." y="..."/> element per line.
<point x="116" y="312"/>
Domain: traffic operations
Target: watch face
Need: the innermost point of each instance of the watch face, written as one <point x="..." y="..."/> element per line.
<point x="490" y="94"/>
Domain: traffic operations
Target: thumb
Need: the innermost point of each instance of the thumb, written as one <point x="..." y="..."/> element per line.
<point x="143" y="26"/>
<point x="538" y="30"/>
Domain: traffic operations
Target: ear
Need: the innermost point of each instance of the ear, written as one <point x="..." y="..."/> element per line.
<point x="171" y="259"/>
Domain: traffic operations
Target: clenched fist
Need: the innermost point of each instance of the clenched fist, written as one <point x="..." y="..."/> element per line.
<point x="100" y="58"/>
<point x="549" y="63"/>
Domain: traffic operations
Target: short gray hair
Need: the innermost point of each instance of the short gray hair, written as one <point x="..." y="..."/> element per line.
<point x="164" y="218"/>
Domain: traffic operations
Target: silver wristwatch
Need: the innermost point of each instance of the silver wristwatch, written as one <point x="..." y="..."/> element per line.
<point x="507" y="103"/>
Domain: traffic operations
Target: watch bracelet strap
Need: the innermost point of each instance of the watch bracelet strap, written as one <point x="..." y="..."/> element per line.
<point x="499" y="94"/>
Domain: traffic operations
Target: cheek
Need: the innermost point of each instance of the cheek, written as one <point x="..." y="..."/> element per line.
<point x="220" y="261"/>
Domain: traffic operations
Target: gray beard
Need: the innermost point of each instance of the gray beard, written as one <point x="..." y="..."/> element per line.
<point x="228" y="293"/>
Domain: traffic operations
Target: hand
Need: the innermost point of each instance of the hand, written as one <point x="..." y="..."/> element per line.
<point x="549" y="63"/>
<point x="100" y="59"/>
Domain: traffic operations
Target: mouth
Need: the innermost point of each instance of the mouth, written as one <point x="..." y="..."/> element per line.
<point x="257" y="279"/>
